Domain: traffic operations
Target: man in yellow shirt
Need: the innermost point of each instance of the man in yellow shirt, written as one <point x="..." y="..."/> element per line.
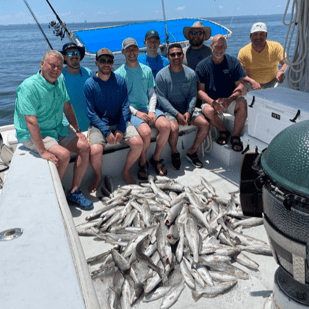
<point x="261" y="58"/>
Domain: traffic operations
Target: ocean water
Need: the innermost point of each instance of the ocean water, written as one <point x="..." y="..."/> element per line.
<point x="22" y="47"/>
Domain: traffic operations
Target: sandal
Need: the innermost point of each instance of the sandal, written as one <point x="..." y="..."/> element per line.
<point x="143" y="169"/>
<point x="235" y="141"/>
<point x="159" y="170"/>
<point x="223" y="137"/>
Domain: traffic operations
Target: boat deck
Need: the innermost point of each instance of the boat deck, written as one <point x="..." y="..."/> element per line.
<point x="250" y="293"/>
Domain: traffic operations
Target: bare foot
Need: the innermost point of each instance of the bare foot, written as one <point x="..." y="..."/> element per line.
<point x="94" y="185"/>
<point x="128" y="178"/>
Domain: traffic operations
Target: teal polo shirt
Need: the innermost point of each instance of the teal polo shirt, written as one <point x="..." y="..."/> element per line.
<point x="37" y="97"/>
<point x="139" y="80"/>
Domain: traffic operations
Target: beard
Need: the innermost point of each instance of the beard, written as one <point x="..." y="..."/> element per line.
<point x="196" y="42"/>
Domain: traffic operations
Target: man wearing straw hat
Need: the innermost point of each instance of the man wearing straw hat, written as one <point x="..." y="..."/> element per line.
<point x="197" y="34"/>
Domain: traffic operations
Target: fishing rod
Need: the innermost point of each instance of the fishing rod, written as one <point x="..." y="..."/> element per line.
<point x="165" y="24"/>
<point x="62" y="24"/>
<point x="46" y="39"/>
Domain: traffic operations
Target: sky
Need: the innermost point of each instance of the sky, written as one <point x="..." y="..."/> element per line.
<point x="16" y="12"/>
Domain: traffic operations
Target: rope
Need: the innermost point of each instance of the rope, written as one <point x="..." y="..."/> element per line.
<point x="297" y="76"/>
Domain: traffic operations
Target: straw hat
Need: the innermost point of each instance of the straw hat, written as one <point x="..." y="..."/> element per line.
<point x="197" y="24"/>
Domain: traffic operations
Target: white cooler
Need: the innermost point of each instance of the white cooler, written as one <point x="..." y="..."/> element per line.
<point x="272" y="110"/>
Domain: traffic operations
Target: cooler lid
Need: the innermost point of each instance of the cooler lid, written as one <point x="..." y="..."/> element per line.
<point x="286" y="159"/>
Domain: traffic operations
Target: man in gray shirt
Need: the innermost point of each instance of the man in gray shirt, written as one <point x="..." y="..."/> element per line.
<point x="197" y="51"/>
<point x="176" y="89"/>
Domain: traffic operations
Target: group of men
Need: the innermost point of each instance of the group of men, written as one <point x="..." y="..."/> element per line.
<point x="191" y="86"/>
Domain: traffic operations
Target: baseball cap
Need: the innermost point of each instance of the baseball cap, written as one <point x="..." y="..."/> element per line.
<point x="151" y="34"/>
<point x="128" y="42"/>
<point x="104" y="51"/>
<point x="259" y="27"/>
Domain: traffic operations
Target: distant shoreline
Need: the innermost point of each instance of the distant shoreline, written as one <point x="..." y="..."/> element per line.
<point x="138" y="21"/>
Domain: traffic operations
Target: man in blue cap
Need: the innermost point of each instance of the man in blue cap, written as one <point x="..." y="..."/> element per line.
<point x="151" y="58"/>
<point x="75" y="77"/>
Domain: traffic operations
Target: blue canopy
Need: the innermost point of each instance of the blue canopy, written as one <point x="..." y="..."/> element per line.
<point x="112" y="37"/>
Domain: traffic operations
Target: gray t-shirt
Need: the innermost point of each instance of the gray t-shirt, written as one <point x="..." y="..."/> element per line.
<point x="193" y="56"/>
<point x="176" y="91"/>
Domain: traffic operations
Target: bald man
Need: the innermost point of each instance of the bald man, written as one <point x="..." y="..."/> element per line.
<point x="220" y="87"/>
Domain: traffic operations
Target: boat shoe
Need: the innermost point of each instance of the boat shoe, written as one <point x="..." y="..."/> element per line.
<point x="79" y="199"/>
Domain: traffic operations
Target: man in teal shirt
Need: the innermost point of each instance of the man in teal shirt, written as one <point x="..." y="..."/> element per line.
<point x="75" y="77"/>
<point x="41" y="101"/>
<point x="143" y="100"/>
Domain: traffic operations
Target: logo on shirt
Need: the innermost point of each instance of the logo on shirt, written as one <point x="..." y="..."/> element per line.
<point x="226" y="71"/>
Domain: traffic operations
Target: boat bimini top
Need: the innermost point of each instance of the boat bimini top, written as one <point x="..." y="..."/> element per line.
<point x="112" y="36"/>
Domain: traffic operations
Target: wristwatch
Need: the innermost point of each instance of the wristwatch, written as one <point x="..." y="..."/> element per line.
<point x="78" y="130"/>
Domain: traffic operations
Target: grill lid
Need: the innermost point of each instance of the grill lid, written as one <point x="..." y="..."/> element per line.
<point x="286" y="160"/>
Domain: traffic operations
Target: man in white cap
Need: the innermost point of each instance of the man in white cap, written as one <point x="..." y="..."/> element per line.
<point x="151" y="58"/>
<point x="261" y="58"/>
<point x="197" y="51"/>
<point x="143" y="101"/>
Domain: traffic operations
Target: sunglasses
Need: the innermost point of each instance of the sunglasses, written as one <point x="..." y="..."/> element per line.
<point x="73" y="53"/>
<point x="193" y="32"/>
<point x="175" y="54"/>
<point x="103" y="61"/>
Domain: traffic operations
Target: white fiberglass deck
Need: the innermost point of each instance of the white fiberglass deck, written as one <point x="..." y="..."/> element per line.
<point x="250" y="293"/>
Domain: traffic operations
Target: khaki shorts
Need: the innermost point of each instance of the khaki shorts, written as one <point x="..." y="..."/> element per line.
<point x="95" y="136"/>
<point x="48" y="141"/>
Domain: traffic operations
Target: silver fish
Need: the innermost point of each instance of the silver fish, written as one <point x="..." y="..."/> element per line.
<point x="172" y="295"/>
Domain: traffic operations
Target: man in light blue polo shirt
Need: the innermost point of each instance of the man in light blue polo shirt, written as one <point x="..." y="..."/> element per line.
<point x="40" y="103"/>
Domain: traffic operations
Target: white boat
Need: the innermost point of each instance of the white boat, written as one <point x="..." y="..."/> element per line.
<point x="43" y="260"/>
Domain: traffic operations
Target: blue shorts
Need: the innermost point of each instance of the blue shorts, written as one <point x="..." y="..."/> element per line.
<point x="138" y="121"/>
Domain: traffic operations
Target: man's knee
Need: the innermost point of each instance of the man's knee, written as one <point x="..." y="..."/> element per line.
<point x="96" y="150"/>
<point x="136" y="143"/>
<point x="83" y="146"/>
<point x="162" y="124"/>
<point x="144" y="130"/>
<point x="174" y="126"/>
<point x="241" y="105"/>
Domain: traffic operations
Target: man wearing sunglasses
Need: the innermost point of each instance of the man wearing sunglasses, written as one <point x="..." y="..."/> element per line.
<point x="143" y="101"/>
<point x="176" y="91"/>
<point x="75" y="77"/>
<point x="109" y="114"/>
<point x="151" y="58"/>
<point x="197" y="34"/>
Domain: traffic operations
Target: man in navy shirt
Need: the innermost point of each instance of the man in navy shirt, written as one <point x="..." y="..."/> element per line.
<point x="220" y="86"/>
<point x="108" y="111"/>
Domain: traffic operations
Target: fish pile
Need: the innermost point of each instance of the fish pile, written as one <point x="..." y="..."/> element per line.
<point x="165" y="236"/>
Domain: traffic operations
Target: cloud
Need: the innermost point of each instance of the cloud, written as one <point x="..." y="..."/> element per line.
<point x="279" y="6"/>
<point x="66" y="14"/>
<point x="5" y="17"/>
<point x="21" y="15"/>
<point x="113" y="12"/>
<point x="220" y="7"/>
<point x="101" y="13"/>
<point x="180" y="8"/>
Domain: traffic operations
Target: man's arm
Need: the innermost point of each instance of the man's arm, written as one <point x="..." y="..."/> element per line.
<point x="254" y="84"/>
<point x="201" y="91"/>
<point x="36" y="137"/>
<point x="280" y="74"/>
<point x="161" y="90"/>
